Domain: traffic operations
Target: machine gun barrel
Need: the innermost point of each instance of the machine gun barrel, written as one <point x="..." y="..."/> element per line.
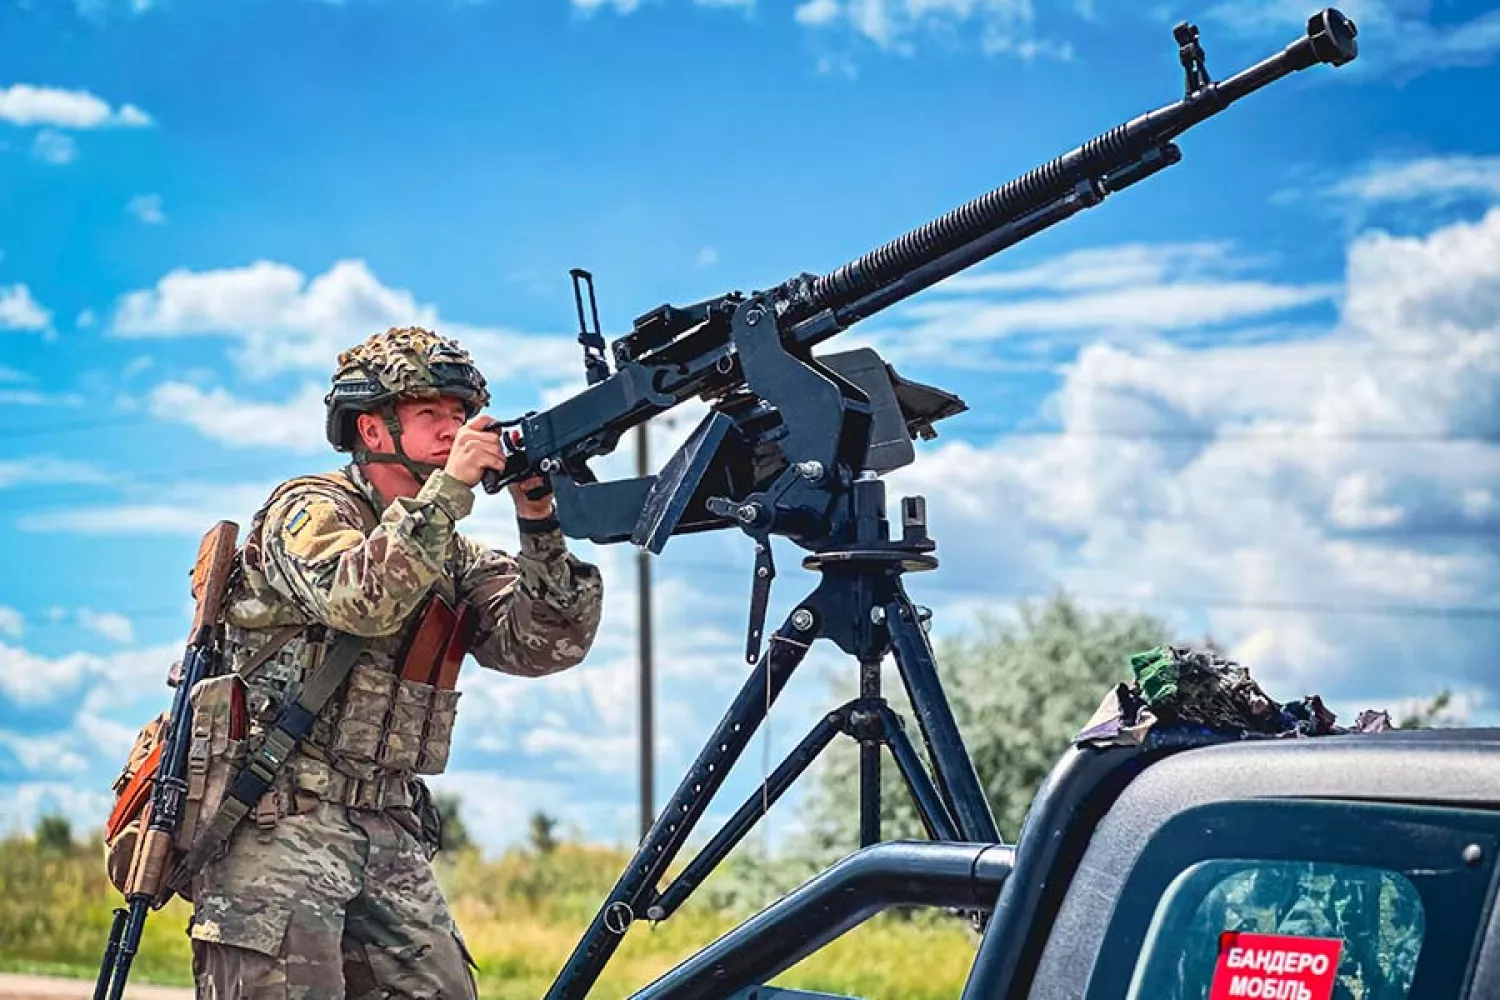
<point x="1045" y="195"/>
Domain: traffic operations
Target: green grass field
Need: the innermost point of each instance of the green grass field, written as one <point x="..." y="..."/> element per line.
<point x="521" y="915"/>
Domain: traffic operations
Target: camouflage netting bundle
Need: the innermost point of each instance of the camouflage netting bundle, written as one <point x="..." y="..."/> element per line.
<point x="1198" y="690"/>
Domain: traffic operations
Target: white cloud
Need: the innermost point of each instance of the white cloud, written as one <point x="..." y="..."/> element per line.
<point x="1117" y="266"/>
<point x="22" y="804"/>
<point x="121" y="519"/>
<point x="30" y="397"/>
<point x="295" y="424"/>
<point x="1127" y="291"/>
<point x="1002" y="26"/>
<point x="1179" y="305"/>
<point x="265" y="296"/>
<point x="815" y="13"/>
<point x="104" y="735"/>
<point x="31" y="679"/>
<point x="837" y="65"/>
<point x="147" y="208"/>
<point x="24" y="104"/>
<point x="110" y="624"/>
<point x="282" y="321"/>
<point x="49" y="754"/>
<point x="1437" y="179"/>
<point x="43" y="469"/>
<point x="12" y="622"/>
<point x="582" y="750"/>
<point x="620" y="6"/>
<point x="85" y="319"/>
<point x="77" y="716"/>
<point x="19" y="311"/>
<point x="1291" y="502"/>
<point x="56" y="148"/>
<point x="170" y="509"/>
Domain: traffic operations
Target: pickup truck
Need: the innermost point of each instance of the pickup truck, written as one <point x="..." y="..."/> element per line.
<point x="1358" y="866"/>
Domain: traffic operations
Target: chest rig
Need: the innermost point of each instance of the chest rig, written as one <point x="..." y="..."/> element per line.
<point x="394" y="713"/>
<point x="310" y="714"/>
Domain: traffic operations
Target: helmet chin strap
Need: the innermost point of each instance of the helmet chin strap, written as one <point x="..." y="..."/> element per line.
<point x="420" y="471"/>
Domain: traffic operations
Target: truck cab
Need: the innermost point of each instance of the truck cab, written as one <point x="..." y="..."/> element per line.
<point x="1355" y="867"/>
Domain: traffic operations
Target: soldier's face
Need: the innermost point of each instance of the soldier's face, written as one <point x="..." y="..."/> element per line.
<point x="428" y="427"/>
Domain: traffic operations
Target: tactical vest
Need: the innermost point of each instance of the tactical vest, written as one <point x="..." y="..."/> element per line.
<point x="379" y="728"/>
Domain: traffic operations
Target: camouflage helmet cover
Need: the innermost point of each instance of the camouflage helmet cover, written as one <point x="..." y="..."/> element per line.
<point x="402" y="362"/>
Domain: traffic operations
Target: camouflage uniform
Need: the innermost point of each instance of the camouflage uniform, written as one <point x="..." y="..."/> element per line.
<point x="326" y="889"/>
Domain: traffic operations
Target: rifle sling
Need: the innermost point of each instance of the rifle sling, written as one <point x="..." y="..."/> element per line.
<point x="266" y="759"/>
<point x="273" y="646"/>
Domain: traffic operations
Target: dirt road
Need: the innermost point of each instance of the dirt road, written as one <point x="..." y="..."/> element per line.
<point x="52" y="988"/>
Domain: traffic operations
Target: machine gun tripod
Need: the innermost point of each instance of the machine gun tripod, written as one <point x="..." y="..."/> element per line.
<point x="861" y="606"/>
<point x="793" y="447"/>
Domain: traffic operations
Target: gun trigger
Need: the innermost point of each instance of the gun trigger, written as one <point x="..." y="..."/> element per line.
<point x="760" y="596"/>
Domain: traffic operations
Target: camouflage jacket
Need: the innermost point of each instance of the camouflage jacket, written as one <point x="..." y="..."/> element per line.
<point x="324" y="551"/>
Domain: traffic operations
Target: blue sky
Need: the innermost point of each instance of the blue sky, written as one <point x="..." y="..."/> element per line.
<point x="1256" y="395"/>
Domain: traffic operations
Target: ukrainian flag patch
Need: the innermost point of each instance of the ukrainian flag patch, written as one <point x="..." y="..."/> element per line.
<point x="298" y="522"/>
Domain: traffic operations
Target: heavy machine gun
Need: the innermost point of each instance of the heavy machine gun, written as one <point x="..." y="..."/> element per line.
<point x="794" y="445"/>
<point x="789" y="430"/>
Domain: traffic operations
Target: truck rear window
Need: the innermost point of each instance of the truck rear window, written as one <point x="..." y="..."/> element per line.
<point x="1282" y="930"/>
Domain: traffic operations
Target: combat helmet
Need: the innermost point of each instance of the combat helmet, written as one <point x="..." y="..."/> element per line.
<point x="402" y="362"/>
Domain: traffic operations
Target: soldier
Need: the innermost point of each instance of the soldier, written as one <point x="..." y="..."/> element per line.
<point x="324" y="889"/>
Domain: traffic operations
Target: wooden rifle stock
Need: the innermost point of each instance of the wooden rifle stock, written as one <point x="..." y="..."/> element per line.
<point x="211" y="577"/>
<point x="420" y="659"/>
<point x="446" y="677"/>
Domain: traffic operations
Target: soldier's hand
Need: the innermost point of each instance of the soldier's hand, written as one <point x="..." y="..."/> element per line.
<point x="532" y="510"/>
<point x="475" y="449"/>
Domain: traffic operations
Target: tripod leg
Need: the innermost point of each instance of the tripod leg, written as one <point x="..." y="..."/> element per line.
<point x="951" y="764"/>
<point x="869" y="758"/>
<point x="636" y="886"/>
<point x="935" y="815"/>
<point x="755" y="806"/>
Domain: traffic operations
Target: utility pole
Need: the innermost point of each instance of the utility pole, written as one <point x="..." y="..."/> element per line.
<point x="643" y="590"/>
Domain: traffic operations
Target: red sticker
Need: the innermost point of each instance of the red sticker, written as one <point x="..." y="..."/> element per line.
<point x="1275" y="967"/>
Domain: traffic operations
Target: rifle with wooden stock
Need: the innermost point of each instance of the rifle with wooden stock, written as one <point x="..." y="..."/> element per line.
<point x="155" y="848"/>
